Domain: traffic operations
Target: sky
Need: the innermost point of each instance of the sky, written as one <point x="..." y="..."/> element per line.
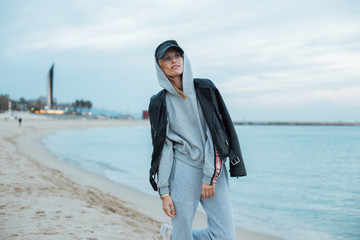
<point x="294" y="60"/>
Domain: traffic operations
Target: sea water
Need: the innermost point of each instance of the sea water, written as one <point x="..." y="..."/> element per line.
<point x="303" y="182"/>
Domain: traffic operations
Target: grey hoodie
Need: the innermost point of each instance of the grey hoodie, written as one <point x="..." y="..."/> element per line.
<point x="188" y="138"/>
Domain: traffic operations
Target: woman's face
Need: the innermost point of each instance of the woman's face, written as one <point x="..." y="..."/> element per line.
<point x="172" y="63"/>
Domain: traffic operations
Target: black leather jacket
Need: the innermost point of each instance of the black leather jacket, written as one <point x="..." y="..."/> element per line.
<point x="217" y="118"/>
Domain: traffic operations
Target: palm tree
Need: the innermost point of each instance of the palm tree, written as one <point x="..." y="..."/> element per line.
<point x="82" y="104"/>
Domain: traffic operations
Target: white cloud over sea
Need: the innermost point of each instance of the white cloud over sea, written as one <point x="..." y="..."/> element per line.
<point x="272" y="60"/>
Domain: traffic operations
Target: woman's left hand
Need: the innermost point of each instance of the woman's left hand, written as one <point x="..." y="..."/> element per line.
<point x="207" y="191"/>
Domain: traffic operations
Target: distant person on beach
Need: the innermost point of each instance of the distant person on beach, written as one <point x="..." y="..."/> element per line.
<point x="20" y="120"/>
<point x="193" y="137"/>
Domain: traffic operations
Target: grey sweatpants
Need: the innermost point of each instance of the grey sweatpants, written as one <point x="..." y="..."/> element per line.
<point x="185" y="187"/>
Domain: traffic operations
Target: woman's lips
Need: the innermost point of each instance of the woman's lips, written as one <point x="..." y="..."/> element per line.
<point x="175" y="67"/>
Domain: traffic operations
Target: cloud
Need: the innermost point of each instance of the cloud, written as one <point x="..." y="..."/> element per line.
<point x="269" y="53"/>
<point x="89" y="38"/>
<point x="110" y="26"/>
<point x="250" y="90"/>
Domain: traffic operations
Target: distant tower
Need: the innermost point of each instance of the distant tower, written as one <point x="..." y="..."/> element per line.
<point x="50" y="88"/>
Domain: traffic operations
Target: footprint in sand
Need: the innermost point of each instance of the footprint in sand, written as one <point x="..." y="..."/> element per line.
<point x="41" y="213"/>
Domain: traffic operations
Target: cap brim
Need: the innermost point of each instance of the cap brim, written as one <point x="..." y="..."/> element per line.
<point x="161" y="51"/>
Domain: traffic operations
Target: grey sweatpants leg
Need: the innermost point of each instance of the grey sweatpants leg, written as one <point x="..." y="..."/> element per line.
<point x="185" y="185"/>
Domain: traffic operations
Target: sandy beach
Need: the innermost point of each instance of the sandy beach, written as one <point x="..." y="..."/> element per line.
<point x="42" y="197"/>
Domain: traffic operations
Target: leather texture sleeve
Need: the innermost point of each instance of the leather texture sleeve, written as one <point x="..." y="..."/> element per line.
<point x="237" y="166"/>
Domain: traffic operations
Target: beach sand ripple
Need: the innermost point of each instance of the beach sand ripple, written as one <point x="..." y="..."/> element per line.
<point x="38" y="202"/>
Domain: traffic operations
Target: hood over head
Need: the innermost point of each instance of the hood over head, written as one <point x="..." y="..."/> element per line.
<point x="187" y="76"/>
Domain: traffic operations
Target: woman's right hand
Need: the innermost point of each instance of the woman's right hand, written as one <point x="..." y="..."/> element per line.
<point x="168" y="206"/>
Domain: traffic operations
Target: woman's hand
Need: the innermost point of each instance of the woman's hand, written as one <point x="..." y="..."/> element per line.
<point x="168" y="206"/>
<point x="207" y="191"/>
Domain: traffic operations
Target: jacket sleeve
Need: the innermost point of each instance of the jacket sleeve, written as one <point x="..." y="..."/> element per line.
<point x="237" y="166"/>
<point x="229" y="126"/>
<point x="166" y="165"/>
<point x="209" y="166"/>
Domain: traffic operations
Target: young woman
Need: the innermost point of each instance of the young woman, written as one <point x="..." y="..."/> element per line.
<point x="193" y="136"/>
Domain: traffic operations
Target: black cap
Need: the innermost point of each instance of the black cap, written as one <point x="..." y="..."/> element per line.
<point x="161" y="49"/>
